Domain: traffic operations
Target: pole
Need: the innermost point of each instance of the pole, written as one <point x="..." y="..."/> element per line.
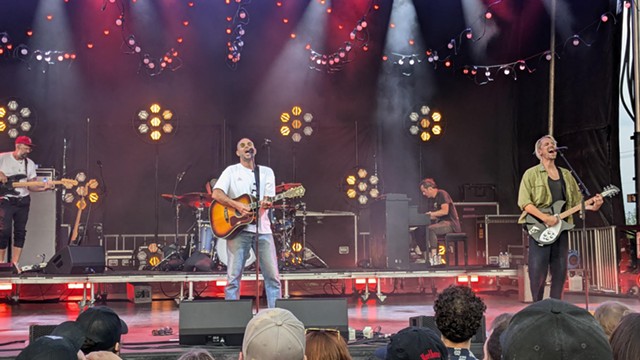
<point x="552" y="66"/>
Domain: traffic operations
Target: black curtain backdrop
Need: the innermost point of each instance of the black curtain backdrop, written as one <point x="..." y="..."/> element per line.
<point x="489" y="129"/>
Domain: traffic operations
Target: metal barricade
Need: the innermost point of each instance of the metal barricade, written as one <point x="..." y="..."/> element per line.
<point x="597" y="253"/>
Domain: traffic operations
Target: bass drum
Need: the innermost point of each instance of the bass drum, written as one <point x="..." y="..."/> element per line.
<point x="221" y="251"/>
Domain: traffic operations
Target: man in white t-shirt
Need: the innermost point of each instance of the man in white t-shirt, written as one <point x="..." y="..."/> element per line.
<point x="237" y="180"/>
<point x="14" y="206"/>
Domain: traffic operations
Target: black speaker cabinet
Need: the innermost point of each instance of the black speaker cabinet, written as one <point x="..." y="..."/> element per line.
<point x="469" y="213"/>
<point x="77" y="260"/>
<point x="501" y="233"/>
<point x="390" y="232"/>
<point x="477" y="341"/>
<point x="327" y="313"/>
<point x="214" y="320"/>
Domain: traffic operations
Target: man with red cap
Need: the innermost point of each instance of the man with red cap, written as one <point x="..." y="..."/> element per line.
<point x="14" y="205"/>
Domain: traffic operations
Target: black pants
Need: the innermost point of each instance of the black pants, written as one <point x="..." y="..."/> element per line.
<point x="548" y="258"/>
<point x="14" y="213"/>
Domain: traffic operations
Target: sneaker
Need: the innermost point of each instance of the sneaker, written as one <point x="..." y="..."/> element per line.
<point x="417" y="250"/>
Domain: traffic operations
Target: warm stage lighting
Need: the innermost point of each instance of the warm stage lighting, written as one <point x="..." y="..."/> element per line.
<point x="152" y="123"/>
<point x="361" y="186"/>
<point x="298" y="128"/>
<point x="425" y="123"/>
<point x="16" y="118"/>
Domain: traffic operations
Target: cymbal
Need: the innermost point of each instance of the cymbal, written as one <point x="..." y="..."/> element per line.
<point x="195" y="200"/>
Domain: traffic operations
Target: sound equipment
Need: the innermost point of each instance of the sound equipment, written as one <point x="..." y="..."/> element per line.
<point x="501" y="233"/>
<point x="326" y="313"/>
<point x="77" y="260"/>
<point x="469" y="212"/>
<point x="390" y="232"/>
<point x="524" y="285"/>
<point x="40" y="243"/>
<point x="36" y="331"/>
<point x="214" y="321"/>
<point x="331" y="236"/>
<point x="478" y="192"/>
<point x="477" y="341"/>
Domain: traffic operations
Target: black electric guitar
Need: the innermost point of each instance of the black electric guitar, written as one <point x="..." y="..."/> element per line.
<point x="13" y="182"/>
<point x="545" y="235"/>
<point x="227" y="221"/>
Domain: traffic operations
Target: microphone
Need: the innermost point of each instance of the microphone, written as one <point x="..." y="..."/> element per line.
<point x="560" y="148"/>
<point x="251" y="151"/>
<point x="99" y="163"/>
<point x="267" y="142"/>
<point x="182" y="174"/>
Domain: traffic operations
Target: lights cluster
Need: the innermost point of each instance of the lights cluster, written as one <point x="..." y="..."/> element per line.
<point x="155" y="124"/>
<point x="149" y="256"/>
<point x="335" y="61"/>
<point x="425" y="124"/>
<point x="86" y="189"/>
<point x="295" y="124"/>
<point x="34" y="56"/>
<point x="361" y="186"/>
<point x="236" y="30"/>
<point x="130" y="45"/>
<point x="16" y="119"/>
<point x="446" y="55"/>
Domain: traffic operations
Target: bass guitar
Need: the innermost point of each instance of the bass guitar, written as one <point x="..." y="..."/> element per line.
<point x="227" y="222"/>
<point x="13" y="182"/>
<point x="545" y="235"/>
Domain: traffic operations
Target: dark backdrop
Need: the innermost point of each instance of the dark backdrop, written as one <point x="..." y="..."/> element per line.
<point x="490" y="129"/>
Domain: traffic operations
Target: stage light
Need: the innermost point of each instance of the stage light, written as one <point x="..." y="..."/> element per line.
<point x="153" y="122"/>
<point x="68" y="198"/>
<point x="285" y="130"/>
<point x="13" y="133"/>
<point x="12" y="119"/>
<point x="296" y="137"/>
<point x="298" y="128"/>
<point x="81" y="177"/>
<point x="361" y="186"/>
<point x="20" y="119"/>
<point x="3" y="126"/>
<point x="351" y="193"/>
<point x="296" y="124"/>
<point x="374" y="179"/>
<point x="308" y="130"/>
<point x="363" y="199"/>
<point x="351" y="180"/>
<point x="374" y="193"/>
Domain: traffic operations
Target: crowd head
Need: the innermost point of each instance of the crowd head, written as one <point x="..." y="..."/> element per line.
<point x="458" y="313"/>
<point x="274" y="334"/>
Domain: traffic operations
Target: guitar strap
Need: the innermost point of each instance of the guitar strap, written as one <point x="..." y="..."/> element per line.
<point x="256" y="173"/>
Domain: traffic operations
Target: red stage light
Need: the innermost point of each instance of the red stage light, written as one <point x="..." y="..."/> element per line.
<point x="285" y="20"/>
<point x="376" y="7"/>
<point x="229" y="18"/>
<point x="9" y="46"/>
<point x="221" y="283"/>
<point x="1" y="51"/>
<point x="228" y="31"/>
<point x="365" y="48"/>
<point x="278" y="3"/>
<point x="106" y="32"/>
<point x="488" y="15"/>
<point x="73" y="56"/>
<point x="392" y="25"/>
<point x="67" y="56"/>
<point x="90" y="45"/>
<point x="329" y="11"/>
<point x="340" y="27"/>
<point x="29" y="32"/>
<point x="73" y="286"/>
<point x="447" y="63"/>
<point x="411" y="42"/>
<point x="191" y="4"/>
<point x="180" y="40"/>
<point x="308" y="47"/>
<point x="385" y="58"/>
<point x="185" y="23"/>
<point x="49" y="17"/>
<point x="6" y="286"/>
<point x="175" y="53"/>
<point x="293" y="35"/>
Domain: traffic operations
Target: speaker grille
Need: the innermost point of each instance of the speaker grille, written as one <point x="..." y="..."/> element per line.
<point x="36" y="331"/>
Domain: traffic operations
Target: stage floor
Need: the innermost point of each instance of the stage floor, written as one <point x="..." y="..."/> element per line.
<point x="389" y="316"/>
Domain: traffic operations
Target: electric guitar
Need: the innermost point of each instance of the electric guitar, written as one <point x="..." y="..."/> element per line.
<point x="13" y="182"/>
<point x="548" y="235"/>
<point x="227" y="222"/>
<point x="81" y="205"/>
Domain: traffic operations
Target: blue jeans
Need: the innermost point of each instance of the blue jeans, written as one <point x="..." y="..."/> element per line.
<point x="543" y="259"/>
<point x="238" y="251"/>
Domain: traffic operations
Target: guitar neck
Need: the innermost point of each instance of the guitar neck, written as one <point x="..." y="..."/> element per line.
<point x="35" y="183"/>
<point x="256" y="204"/>
<point x="573" y="210"/>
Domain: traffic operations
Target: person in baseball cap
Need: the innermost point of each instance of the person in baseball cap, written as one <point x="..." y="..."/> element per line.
<point x="414" y="343"/>
<point x="103" y="329"/>
<point x="63" y="343"/>
<point x="24" y="140"/>
<point x="552" y="329"/>
<point x="274" y="334"/>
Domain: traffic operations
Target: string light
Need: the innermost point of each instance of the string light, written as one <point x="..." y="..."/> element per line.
<point x="236" y="30"/>
<point x="336" y="61"/>
<point x="489" y="72"/>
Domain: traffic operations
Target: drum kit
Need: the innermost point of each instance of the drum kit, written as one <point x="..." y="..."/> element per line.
<point x="203" y="242"/>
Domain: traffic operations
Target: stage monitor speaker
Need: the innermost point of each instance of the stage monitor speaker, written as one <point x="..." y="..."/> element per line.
<point x="77" y="260"/>
<point x="40" y="242"/>
<point x="319" y="313"/>
<point x="207" y="321"/>
<point x="477" y="341"/>
<point x="36" y="331"/>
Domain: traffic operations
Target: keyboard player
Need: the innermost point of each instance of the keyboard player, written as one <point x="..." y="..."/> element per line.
<point x="444" y="219"/>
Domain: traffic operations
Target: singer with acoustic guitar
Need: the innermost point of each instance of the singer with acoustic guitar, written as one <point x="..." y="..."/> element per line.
<point x="14" y="204"/>
<point x="541" y="187"/>
<point x="238" y="182"/>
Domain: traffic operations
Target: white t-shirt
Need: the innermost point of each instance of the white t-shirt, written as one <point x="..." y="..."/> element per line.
<point x="236" y="180"/>
<point x="10" y="166"/>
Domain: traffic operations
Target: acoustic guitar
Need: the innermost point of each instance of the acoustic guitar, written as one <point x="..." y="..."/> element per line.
<point x="13" y="182"/>
<point x="548" y="235"/>
<point x="226" y="221"/>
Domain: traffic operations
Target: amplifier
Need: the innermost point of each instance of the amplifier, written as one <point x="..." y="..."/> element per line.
<point x="120" y="259"/>
<point x="500" y="233"/>
<point x="468" y="212"/>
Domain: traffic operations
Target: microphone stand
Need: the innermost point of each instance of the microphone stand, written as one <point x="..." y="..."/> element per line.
<point x="175" y="203"/>
<point x="256" y="171"/>
<point x="583" y="215"/>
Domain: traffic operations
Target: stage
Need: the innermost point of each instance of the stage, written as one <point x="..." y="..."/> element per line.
<point x="381" y="299"/>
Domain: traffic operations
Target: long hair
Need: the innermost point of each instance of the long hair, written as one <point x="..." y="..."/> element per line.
<point x="326" y="345"/>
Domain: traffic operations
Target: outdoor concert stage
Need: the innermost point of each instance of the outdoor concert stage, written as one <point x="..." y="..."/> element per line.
<point x="385" y="304"/>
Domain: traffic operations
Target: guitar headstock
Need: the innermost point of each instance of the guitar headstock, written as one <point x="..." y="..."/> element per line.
<point x="610" y="190"/>
<point x="297" y="191"/>
<point x="69" y="183"/>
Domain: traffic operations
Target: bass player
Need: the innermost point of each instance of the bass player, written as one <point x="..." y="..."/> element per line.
<point x="235" y="181"/>
<point x="540" y="187"/>
<point x="14" y="208"/>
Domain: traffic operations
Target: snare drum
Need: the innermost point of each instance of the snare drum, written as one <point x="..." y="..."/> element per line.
<point x="205" y="238"/>
<point x="221" y="250"/>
